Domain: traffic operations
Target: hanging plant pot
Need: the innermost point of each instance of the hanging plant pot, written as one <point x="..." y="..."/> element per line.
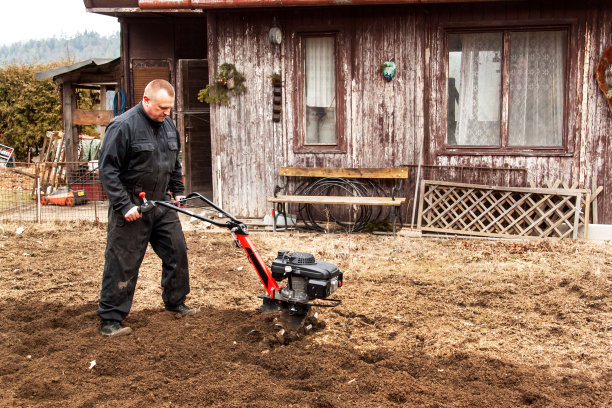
<point x="388" y="70"/>
<point x="604" y="74"/>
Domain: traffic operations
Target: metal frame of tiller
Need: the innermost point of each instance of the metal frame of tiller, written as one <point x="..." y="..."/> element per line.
<point x="274" y="299"/>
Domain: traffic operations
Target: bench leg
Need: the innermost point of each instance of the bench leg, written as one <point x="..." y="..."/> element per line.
<point x="276" y="214"/>
<point x="394" y="218"/>
<point x="273" y="219"/>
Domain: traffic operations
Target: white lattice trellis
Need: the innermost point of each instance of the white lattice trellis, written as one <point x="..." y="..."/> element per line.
<point x="468" y="209"/>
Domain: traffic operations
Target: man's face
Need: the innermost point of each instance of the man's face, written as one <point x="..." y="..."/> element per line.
<point x="158" y="107"/>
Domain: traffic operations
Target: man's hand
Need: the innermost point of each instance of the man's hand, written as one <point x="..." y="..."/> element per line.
<point x="179" y="201"/>
<point x="133" y="214"/>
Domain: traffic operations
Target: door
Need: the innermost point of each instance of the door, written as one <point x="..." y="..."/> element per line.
<point x="194" y="121"/>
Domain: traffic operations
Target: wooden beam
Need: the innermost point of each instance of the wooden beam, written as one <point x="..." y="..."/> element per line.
<point x="556" y="191"/>
<point x="383" y="173"/>
<point x="67" y="108"/>
<point x="338" y="200"/>
<point x="91" y="117"/>
<point x="23" y="173"/>
<point x="103" y="108"/>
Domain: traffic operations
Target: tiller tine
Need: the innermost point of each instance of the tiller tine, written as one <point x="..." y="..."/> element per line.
<point x="291" y="321"/>
<point x="292" y="314"/>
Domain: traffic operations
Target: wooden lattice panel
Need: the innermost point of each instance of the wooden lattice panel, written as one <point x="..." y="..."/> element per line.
<point x="468" y="209"/>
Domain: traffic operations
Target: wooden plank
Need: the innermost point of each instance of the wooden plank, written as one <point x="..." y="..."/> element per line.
<point x="338" y="200"/>
<point x="43" y="150"/>
<point x="471" y="233"/>
<point x="393" y="172"/>
<point x="554" y="191"/>
<point x="587" y="209"/>
<point x="421" y="199"/>
<point x="577" y="216"/>
<point x="91" y="117"/>
<point x="593" y="201"/>
<point x="103" y="107"/>
<point x="23" y="173"/>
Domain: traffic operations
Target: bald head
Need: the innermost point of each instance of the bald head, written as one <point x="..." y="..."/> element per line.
<point x="158" y="99"/>
<point x="153" y="88"/>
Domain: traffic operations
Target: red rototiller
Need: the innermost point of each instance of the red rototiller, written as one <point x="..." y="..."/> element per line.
<point x="308" y="280"/>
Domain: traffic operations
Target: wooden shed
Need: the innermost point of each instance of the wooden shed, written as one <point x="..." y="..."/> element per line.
<point x="102" y="75"/>
<point x="478" y="86"/>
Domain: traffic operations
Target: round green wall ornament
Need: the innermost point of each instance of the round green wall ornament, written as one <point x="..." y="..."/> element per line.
<point x="388" y="70"/>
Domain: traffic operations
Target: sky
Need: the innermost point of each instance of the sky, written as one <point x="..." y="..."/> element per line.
<point x="24" y="20"/>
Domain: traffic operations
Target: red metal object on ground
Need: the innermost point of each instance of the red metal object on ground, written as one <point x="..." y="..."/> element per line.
<point x="94" y="191"/>
<point x="68" y="198"/>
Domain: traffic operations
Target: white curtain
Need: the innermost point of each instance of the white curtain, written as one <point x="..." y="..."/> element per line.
<point x="320" y="90"/>
<point x="537" y="61"/>
<point x="479" y="90"/>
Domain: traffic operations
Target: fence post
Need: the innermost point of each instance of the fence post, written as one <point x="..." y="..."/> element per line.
<point x="19" y="197"/>
<point x="96" y="211"/>
<point x="38" y="199"/>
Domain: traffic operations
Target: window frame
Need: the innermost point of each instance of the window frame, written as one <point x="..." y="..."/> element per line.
<point x="300" y="145"/>
<point x="565" y="149"/>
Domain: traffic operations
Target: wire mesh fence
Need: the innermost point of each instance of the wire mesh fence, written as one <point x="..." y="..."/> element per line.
<point x="25" y="195"/>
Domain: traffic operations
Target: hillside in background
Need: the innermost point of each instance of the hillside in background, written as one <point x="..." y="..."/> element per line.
<point x="80" y="47"/>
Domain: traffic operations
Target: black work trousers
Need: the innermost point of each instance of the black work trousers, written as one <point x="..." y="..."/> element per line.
<point x="125" y="249"/>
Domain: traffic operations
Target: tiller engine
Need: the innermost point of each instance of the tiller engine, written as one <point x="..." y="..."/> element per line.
<point x="309" y="282"/>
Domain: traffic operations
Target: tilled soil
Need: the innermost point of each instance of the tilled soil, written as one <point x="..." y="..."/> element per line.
<point x="423" y="323"/>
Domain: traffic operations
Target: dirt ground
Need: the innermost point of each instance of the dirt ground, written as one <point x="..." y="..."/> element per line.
<point x="423" y="323"/>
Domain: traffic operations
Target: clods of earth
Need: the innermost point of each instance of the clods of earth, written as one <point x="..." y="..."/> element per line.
<point x="423" y="323"/>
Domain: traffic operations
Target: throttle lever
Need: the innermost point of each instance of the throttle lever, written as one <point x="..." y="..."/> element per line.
<point x="146" y="204"/>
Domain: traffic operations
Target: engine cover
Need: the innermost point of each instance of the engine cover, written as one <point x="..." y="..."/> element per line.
<point x="307" y="278"/>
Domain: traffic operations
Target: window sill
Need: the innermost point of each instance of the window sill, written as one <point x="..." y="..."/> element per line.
<point x="319" y="149"/>
<point x="534" y="152"/>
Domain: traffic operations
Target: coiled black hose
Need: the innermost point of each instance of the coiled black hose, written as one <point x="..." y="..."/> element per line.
<point x="321" y="217"/>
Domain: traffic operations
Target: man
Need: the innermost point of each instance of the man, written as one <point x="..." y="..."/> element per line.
<point x="140" y="154"/>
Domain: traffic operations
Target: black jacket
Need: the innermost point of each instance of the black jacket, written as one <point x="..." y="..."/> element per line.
<point x="140" y="154"/>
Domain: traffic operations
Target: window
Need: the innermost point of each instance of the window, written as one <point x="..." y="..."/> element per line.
<point x="144" y="71"/>
<point x="506" y="89"/>
<point x="319" y="106"/>
<point x="320" y="90"/>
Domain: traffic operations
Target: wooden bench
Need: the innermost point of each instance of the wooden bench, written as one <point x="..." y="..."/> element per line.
<point x="342" y="177"/>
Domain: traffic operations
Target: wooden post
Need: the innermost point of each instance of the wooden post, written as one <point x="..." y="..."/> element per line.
<point x="102" y="129"/>
<point x="594" y="191"/>
<point x="71" y="136"/>
<point x="67" y="118"/>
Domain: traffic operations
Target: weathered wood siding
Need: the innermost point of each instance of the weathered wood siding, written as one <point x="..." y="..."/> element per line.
<point x="145" y="42"/>
<point x="386" y="124"/>
<point x="589" y="121"/>
<point x="383" y="121"/>
<point x="596" y="117"/>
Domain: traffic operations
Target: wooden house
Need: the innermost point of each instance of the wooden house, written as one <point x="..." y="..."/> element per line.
<point x="478" y="85"/>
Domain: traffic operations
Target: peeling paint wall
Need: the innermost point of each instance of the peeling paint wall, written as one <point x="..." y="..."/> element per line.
<point x="385" y="124"/>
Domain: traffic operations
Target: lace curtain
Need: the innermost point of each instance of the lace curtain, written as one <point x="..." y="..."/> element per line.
<point x="320" y="90"/>
<point x="536" y="88"/>
<point x="536" y="78"/>
<point x="477" y="67"/>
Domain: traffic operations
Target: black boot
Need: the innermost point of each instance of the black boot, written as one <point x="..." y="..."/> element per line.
<point x="182" y="309"/>
<point x="113" y="328"/>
